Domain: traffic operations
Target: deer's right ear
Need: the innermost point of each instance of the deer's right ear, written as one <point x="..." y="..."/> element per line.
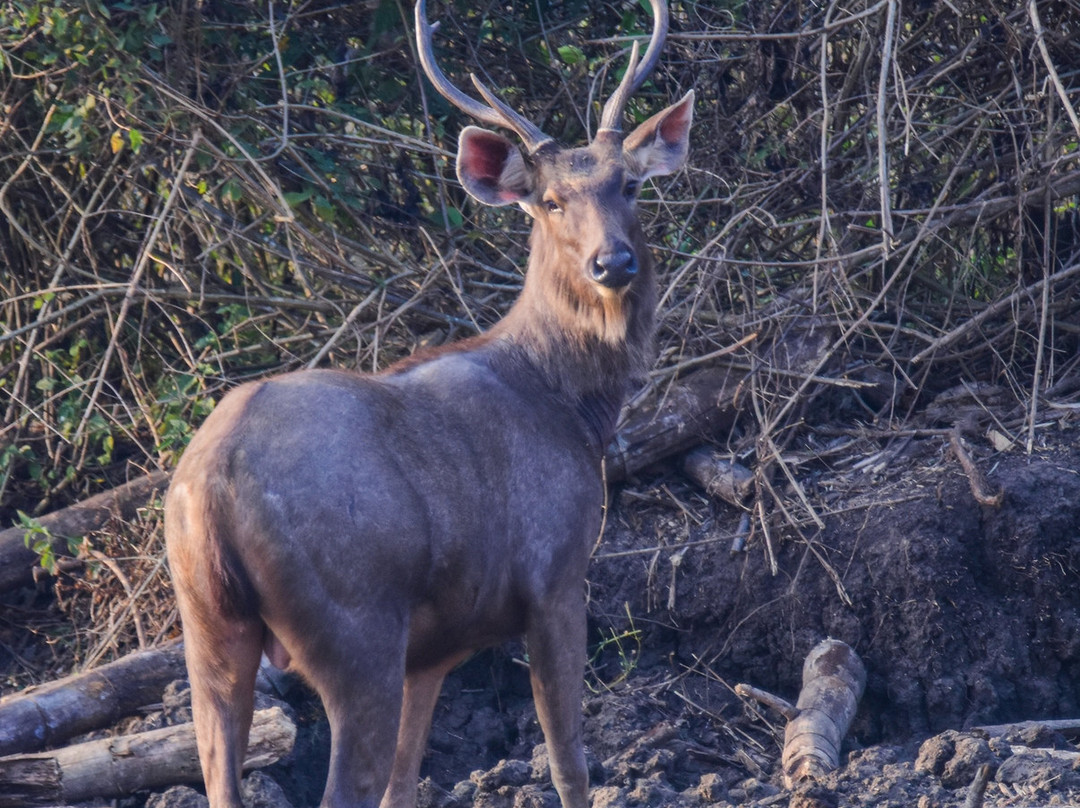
<point x="491" y="169"/>
<point x="659" y="145"/>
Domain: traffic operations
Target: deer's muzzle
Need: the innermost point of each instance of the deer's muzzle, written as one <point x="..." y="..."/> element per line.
<point x="615" y="268"/>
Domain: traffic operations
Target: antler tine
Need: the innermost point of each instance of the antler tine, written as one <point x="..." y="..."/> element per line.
<point x="497" y="114"/>
<point x="531" y="134"/>
<point x="636" y="74"/>
<point x="611" y="119"/>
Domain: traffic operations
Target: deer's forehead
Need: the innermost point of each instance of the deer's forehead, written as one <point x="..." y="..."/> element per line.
<point x="586" y="169"/>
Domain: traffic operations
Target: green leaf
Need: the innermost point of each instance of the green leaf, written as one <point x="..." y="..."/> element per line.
<point x="294" y="198"/>
<point x="59" y="23"/>
<point x="107" y="445"/>
<point x="324" y="209"/>
<point x="571" y="55"/>
<point x="232" y="191"/>
<point x="32" y="526"/>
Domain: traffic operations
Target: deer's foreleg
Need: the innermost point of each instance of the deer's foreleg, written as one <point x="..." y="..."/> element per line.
<point x="556" y="641"/>
<point x="422" y="689"/>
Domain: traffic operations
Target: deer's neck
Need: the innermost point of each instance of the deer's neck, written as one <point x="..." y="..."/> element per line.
<point x="587" y="349"/>
<point x="590" y="349"/>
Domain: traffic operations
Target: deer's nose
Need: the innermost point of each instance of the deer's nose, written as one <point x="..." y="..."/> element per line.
<point x="615" y="268"/>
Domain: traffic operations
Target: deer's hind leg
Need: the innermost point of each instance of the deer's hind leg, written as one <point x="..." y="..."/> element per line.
<point x="222" y="659"/>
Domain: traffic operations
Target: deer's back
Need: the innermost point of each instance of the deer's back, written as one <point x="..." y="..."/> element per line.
<point x="442" y="491"/>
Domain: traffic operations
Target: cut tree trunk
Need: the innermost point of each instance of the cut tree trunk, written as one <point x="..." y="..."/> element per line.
<point x="17" y="560"/>
<point x="116" y="767"/>
<point x="719" y="476"/>
<point x="833" y="682"/>
<point x="50" y="714"/>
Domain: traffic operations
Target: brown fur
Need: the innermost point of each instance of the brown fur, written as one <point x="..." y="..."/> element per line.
<point x="372" y="530"/>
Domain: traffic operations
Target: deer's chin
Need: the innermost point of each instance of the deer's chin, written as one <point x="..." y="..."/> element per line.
<point x="614" y="316"/>
<point x="610" y="294"/>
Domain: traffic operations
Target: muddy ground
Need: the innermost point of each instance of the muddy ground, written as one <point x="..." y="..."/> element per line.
<point x="965" y="615"/>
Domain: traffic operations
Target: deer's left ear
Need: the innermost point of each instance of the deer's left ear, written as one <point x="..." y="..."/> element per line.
<point x="491" y="168"/>
<point x="659" y="146"/>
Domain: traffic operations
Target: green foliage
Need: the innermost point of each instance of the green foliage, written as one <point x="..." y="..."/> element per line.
<point x="41" y="541"/>
<point x="181" y="403"/>
<point x="622" y="643"/>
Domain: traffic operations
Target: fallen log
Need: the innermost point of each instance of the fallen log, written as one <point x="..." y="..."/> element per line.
<point x="116" y="767"/>
<point x="17" y="560"/>
<point x="833" y="682"/>
<point x="50" y="714"/>
<point x="688" y="413"/>
<point x="706" y="402"/>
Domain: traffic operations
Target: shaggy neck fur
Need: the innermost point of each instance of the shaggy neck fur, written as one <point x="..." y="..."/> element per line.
<point x="590" y="345"/>
<point x="589" y="348"/>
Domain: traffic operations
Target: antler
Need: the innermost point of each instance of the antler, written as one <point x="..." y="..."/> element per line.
<point x="497" y="114"/>
<point x="611" y="118"/>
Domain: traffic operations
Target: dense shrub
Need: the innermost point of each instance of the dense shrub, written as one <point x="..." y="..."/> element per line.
<point x="194" y="194"/>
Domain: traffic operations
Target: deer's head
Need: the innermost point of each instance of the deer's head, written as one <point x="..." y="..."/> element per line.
<point x="582" y="200"/>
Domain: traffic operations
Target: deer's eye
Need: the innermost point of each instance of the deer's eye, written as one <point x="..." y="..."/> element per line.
<point x="552" y="206"/>
<point x="631" y="187"/>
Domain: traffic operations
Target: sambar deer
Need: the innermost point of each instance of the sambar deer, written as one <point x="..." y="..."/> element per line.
<point x="372" y="531"/>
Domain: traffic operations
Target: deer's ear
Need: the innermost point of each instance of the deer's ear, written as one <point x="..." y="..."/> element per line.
<point x="659" y="146"/>
<point x="491" y="168"/>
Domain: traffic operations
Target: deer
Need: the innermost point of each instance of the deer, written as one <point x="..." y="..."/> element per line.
<point x="372" y="531"/>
